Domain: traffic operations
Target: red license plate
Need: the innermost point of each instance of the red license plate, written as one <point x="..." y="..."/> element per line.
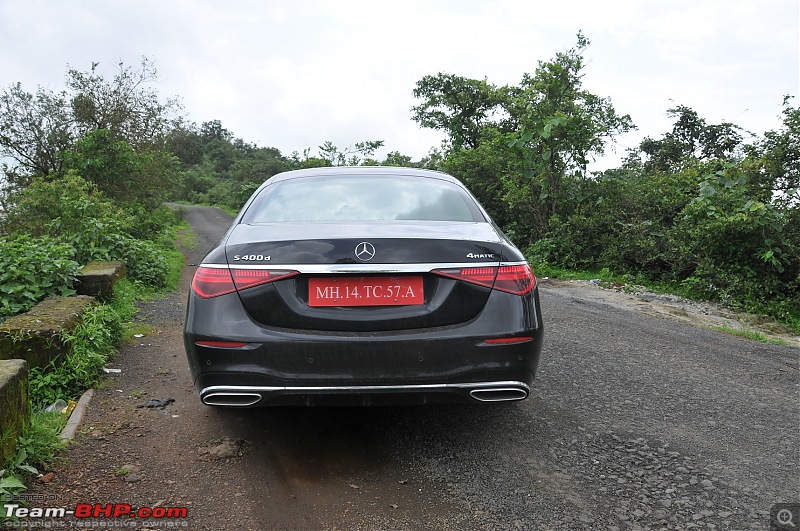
<point x="365" y="291"/>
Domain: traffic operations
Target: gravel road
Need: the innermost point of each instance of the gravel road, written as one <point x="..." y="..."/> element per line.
<point x="635" y="422"/>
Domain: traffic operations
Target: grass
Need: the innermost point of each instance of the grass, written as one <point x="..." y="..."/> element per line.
<point x="233" y="212"/>
<point x="135" y="328"/>
<point x="568" y="274"/>
<point x="186" y="237"/>
<point x="37" y="449"/>
<point x="103" y="327"/>
<point x="629" y="283"/>
<point x="749" y="334"/>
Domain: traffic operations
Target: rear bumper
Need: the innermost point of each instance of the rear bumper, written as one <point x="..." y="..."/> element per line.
<point x="364" y="395"/>
<point x="278" y="366"/>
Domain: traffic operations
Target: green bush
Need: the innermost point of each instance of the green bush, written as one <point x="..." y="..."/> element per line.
<point x="60" y="206"/>
<point x="97" y="240"/>
<point x="72" y="211"/>
<point x="32" y="268"/>
<point x="91" y="343"/>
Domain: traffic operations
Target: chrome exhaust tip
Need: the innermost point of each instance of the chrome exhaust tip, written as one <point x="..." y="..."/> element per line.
<point x="232" y="399"/>
<point x="499" y="394"/>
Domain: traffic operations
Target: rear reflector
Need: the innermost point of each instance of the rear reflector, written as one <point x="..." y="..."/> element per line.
<point x="516" y="279"/>
<point x="508" y="340"/>
<point x="212" y="282"/>
<point x="220" y="344"/>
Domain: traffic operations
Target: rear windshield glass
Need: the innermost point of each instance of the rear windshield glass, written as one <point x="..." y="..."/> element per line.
<point x="362" y="198"/>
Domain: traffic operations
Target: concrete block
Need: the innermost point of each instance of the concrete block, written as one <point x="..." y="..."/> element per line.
<point x="97" y="279"/>
<point x="35" y="336"/>
<point x="15" y="410"/>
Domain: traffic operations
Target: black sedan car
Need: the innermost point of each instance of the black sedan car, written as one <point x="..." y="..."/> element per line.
<point x="359" y="286"/>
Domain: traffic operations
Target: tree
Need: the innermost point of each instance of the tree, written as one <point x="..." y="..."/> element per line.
<point x="691" y="140"/>
<point x="185" y="142"/>
<point x="213" y="130"/>
<point x="459" y="106"/>
<point x="776" y="158"/>
<point x="35" y="130"/>
<point x="122" y="173"/>
<point x="395" y="158"/>
<point x="561" y="126"/>
<point x="349" y="156"/>
<point x="125" y="105"/>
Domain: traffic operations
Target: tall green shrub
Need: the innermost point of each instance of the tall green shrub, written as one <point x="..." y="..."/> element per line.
<point x="32" y="268"/>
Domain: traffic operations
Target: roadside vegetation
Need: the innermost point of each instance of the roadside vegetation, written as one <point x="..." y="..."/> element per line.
<point x="89" y="183"/>
<point x="708" y="211"/>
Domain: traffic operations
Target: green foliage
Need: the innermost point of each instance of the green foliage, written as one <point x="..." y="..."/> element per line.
<point x="72" y="211"/>
<point x="123" y="104"/>
<point x="90" y="345"/>
<point x="59" y="206"/>
<point x="145" y="175"/>
<point x="483" y="169"/>
<point x="459" y="106"/>
<point x="695" y="211"/>
<point x="40" y="442"/>
<point x="733" y="246"/>
<point x="39" y="129"/>
<point x="690" y="140"/>
<point x="37" y="448"/>
<point x="554" y="126"/>
<point x="561" y="126"/>
<point x="32" y="268"/>
<point x="35" y="130"/>
<point x="349" y="156"/>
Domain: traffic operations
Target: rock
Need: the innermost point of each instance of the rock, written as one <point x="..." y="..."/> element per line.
<point x="124" y="470"/>
<point x="227" y="449"/>
<point x="156" y="403"/>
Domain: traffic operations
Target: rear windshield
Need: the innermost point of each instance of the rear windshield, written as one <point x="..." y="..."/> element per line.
<point x="362" y="198"/>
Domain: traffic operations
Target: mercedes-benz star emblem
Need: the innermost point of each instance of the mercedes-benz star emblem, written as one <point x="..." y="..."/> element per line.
<point x="365" y="251"/>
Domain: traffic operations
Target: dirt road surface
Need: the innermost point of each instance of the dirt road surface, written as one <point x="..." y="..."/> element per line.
<point x="637" y="421"/>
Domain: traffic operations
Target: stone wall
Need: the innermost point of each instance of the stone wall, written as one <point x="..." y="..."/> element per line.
<point x="34" y="339"/>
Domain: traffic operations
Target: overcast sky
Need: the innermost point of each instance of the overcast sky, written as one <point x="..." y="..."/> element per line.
<point x="293" y="74"/>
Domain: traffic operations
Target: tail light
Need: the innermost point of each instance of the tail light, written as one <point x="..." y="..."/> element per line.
<point x="516" y="279"/>
<point x="482" y="276"/>
<point x="247" y="278"/>
<point x="211" y="282"/>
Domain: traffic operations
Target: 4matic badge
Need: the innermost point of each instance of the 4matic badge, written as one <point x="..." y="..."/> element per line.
<point x="490" y="255"/>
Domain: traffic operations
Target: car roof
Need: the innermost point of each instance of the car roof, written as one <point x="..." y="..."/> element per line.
<point x="333" y="171"/>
